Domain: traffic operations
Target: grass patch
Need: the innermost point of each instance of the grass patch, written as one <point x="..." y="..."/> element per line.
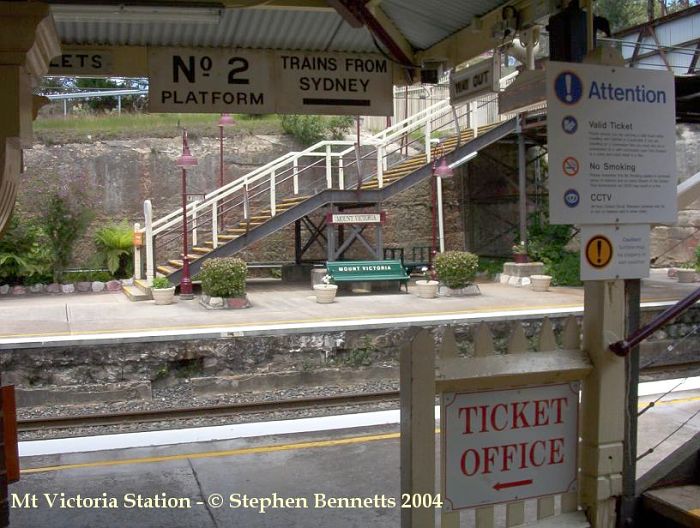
<point x="89" y="128"/>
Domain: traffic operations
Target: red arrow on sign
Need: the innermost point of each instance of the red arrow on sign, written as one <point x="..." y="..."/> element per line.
<point x="499" y="486"/>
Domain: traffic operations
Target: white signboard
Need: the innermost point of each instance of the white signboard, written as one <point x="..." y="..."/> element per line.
<point x="259" y="81"/>
<point x="507" y="445"/>
<point x="479" y="79"/>
<point x="611" y="134"/>
<point x="615" y="251"/>
<point x="84" y="62"/>
<point x="355" y="218"/>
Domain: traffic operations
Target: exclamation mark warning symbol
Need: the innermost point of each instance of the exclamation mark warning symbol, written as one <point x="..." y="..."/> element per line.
<point x="567" y="82"/>
<point x="599" y="251"/>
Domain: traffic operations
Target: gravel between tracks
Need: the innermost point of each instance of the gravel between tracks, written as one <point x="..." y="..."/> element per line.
<point x="182" y="395"/>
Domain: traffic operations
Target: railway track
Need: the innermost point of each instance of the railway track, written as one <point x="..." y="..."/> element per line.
<point x="184" y="413"/>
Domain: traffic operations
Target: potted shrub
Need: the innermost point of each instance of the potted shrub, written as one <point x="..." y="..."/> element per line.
<point x="426" y="288"/>
<point x="520" y="253"/>
<point x="540" y="283"/>
<point x="223" y="283"/>
<point x="686" y="273"/>
<point x="163" y="291"/>
<point x="325" y="292"/>
<point x="456" y="269"/>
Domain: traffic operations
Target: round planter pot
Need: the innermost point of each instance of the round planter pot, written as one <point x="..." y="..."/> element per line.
<point x="520" y="258"/>
<point x="685" y="276"/>
<point x="325" y="293"/>
<point x="540" y="283"/>
<point x="163" y="295"/>
<point x="427" y="289"/>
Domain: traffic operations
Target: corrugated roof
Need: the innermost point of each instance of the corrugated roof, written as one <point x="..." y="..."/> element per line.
<point x="238" y="28"/>
<point x="426" y="22"/>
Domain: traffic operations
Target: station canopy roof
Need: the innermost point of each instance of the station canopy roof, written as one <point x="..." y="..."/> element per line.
<point x="411" y="31"/>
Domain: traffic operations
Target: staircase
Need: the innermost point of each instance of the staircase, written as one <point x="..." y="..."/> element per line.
<point x="277" y="194"/>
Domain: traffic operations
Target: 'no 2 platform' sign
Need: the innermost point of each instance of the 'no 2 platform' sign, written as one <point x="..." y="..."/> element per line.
<point x="507" y="445"/>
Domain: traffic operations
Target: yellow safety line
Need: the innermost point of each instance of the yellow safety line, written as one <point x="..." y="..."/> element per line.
<point x="226" y="325"/>
<point x="263" y="449"/>
<point x="213" y="454"/>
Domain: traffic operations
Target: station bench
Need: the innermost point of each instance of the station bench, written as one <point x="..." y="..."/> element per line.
<point x="367" y="271"/>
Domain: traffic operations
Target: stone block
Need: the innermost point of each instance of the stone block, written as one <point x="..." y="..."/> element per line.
<point x="54" y="287"/>
<point x="114" y="286"/>
<point x="81" y="394"/>
<point x="317" y="275"/>
<point x="4" y="289"/>
<point x="83" y="287"/>
<point x="68" y="288"/>
<point x="97" y="286"/>
<point x="216" y="302"/>
<point x="37" y="288"/>
<point x="127" y="282"/>
<point x="19" y="290"/>
<point x="523" y="270"/>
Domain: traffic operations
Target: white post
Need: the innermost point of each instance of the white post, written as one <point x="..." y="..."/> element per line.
<point x="341" y="173"/>
<point x="329" y="174"/>
<point x="150" y="257"/>
<point x="215" y="225"/>
<point x="137" y="255"/>
<point x="380" y="165"/>
<point x="273" y="193"/>
<point x="428" y="133"/>
<point x="473" y="108"/>
<point x="441" y="222"/>
<point x="246" y="212"/>
<point x="295" y="172"/>
<point x="194" y="226"/>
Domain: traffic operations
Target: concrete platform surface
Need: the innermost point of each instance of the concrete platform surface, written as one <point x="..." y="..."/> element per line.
<point x="275" y="304"/>
<point x="205" y="483"/>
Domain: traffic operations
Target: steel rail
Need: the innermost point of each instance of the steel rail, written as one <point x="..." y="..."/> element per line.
<point x="182" y="413"/>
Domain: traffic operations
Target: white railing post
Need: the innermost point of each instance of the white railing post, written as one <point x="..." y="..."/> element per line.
<point x="295" y="172"/>
<point x="150" y="257"/>
<point x="246" y="208"/>
<point x="428" y="133"/>
<point x="329" y="174"/>
<point x="194" y="227"/>
<point x="380" y="165"/>
<point x="273" y="193"/>
<point x="472" y="118"/>
<point x="137" y="255"/>
<point x="214" y="224"/>
<point x="341" y="173"/>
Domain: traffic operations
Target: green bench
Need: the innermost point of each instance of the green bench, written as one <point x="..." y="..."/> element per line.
<point x="367" y="271"/>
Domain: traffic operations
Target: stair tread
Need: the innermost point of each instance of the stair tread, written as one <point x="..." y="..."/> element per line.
<point x="202" y="250"/>
<point x="135" y="294"/>
<point x="678" y="503"/>
<point x="166" y="270"/>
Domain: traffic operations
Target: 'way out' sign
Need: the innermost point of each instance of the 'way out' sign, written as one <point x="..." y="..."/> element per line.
<point x="261" y="81"/>
<point x="506" y="445"/>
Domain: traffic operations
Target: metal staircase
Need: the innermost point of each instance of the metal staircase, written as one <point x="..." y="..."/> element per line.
<point x="231" y="218"/>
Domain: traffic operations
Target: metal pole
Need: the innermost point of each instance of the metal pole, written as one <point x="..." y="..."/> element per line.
<point x="522" y="185"/>
<point x="221" y="172"/>
<point x="441" y="220"/>
<point x="185" y="281"/>
<point x="629" y="463"/>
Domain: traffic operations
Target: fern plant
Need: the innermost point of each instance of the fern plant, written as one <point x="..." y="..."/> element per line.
<point x="115" y="248"/>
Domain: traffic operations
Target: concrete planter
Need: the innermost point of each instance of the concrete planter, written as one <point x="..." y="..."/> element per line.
<point x="685" y="276"/>
<point x="325" y="293"/>
<point x="224" y="303"/>
<point x="163" y="295"/>
<point x="540" y="283"/>
<point x="427" y="289"/>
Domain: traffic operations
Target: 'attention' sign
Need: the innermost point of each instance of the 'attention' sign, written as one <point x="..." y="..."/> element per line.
<point x="507" y="445"/>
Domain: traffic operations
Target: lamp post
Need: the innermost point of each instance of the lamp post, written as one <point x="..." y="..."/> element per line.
<point x="440" y="171"/>
<point x="224" y="121"/>
<point x="184" y="161"/>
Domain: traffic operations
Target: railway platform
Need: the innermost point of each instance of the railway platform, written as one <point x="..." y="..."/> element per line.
<point x="340" y="476"/>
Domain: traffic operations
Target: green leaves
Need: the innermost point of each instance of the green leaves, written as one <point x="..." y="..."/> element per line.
<point x="456" y="269"/>
<point x="115" y="247"/>
<point x="224" y="277"/>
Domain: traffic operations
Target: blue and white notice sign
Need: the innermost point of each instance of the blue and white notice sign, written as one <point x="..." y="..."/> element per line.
<point x="611" y="134"/>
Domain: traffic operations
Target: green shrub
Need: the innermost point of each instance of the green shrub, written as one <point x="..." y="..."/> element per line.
<point x="87" y="276"/>
<point x="308" y="129"/>
<point x="115" y="248"/>
<point x="24" y="255"/>
<point x="161" y="283"/>
<point x="565" y="269"/>
<point x="224" y="277"/>
<point x="547" y="243"/>
<point x="339" y="126"/>
<point x="456" y="269"/>
<point x="65" y="221"/>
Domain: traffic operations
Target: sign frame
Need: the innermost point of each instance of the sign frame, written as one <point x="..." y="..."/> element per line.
<point x="573" y="446"/>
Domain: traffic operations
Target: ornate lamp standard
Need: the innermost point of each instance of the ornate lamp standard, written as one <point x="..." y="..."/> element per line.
<point x="184" y="161"/>
<point x="224" y="121"/>
<point x="440" y="171"/>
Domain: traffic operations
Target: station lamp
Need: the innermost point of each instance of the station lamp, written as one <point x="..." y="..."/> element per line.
<point x="185" y="161"/>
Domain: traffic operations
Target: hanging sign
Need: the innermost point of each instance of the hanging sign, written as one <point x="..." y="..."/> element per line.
<point x="611" y="136"/>
<point x="355" y="218"/>
<point x="476" y="80"/>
